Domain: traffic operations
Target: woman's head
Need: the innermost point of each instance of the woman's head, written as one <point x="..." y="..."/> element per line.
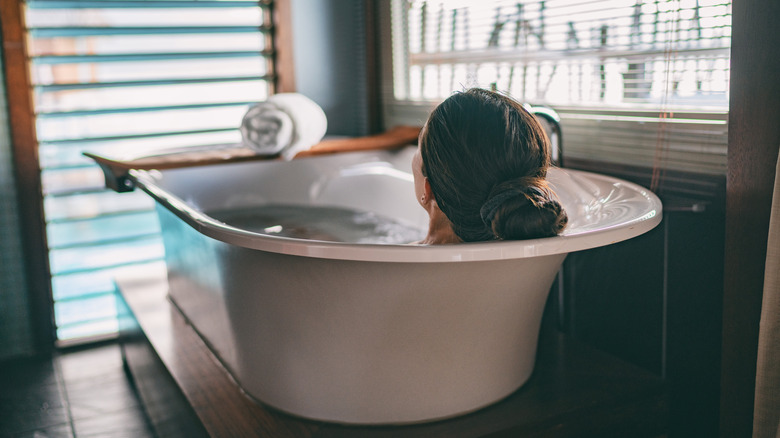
<point x="485" y="158"/>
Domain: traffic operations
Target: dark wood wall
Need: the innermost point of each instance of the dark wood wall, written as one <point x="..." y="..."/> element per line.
<point x="655" y="300"/>
<point x="754" y="140"/>
<point x="27" y="173"/>
<point x="284" y="67"/>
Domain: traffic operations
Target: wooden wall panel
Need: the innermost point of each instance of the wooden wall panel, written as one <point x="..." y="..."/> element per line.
<point x="25" y="151"/>
<point x="284" y="66"/>
<point x="754" y="140"/>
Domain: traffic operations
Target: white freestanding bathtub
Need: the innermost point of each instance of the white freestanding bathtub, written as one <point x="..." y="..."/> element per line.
<point x="369" y="333"/>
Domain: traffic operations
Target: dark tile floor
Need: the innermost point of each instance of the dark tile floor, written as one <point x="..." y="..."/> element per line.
<point x="78" y="393"/>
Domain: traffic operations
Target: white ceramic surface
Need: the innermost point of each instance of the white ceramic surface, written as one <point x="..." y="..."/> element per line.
<point x="369" y="334"/>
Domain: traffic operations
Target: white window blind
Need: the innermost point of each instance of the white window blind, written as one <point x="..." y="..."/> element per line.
<point x="641" y="82"/>
<point x="115" y="75"/>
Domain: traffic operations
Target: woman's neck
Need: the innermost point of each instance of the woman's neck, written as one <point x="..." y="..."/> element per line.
<point x="439" y="229"/>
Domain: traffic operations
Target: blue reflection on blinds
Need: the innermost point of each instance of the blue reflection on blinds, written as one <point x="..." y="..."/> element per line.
<point x="114" y="76"/>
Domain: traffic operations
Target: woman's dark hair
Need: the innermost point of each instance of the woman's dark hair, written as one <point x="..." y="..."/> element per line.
<point x="486" y="160"/>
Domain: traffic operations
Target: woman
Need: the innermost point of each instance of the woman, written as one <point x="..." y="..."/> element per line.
<point x="480" y="172"/>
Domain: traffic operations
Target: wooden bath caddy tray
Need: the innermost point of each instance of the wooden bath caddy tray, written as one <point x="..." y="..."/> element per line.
<point x="575" y="390"/>
<point x="116" y="168"/>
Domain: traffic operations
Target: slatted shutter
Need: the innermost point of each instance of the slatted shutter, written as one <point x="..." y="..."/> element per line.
<point x="111" y="76"/>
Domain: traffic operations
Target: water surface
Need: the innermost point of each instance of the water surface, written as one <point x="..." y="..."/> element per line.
<point x="332" y="224"/>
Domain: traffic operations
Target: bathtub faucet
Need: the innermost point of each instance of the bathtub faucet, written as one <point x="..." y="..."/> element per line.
<point x="552" y="118"/>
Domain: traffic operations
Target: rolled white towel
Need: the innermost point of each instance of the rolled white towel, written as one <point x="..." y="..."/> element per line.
<point x="266" y="129"/>
<point x="285" y="124"/>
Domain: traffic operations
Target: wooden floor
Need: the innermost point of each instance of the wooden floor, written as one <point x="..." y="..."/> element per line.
<point x="77" y="392"/>
<point x="575" y="390"/>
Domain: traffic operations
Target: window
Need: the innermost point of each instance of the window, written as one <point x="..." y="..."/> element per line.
<point x="642" y="82"/>
<point x="136" y="75"/>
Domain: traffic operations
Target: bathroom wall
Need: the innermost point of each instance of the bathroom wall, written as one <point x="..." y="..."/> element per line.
<point x="330" y="61"/>
<point x="15" y="331"/>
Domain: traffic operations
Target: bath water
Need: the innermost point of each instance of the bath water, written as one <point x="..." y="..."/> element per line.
<point x="333" y="224"/>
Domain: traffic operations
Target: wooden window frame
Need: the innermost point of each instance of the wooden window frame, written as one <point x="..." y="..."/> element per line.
<point x="754" y="144"/>
<point x="24" y="146"/>
<point x="284" y="66"/>
<point x="26" y="160"/>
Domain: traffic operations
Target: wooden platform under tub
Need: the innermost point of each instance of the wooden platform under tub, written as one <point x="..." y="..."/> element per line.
<point x="575" y="390"/>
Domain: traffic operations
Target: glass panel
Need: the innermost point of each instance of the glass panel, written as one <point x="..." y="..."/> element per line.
<point x="72" y="180"/>
<point x="150" y="70"/>
<point x="105" y="256"/>
<point x="93" y="328"/>
<point x="604" y="52"/>
<point x="140" y="97"/>
<point x="698" y="82"/>
<point x="72" y="312"/>
<point x="134" y="17"/>
<point x="144" y="4"/>
<point x="656" y="58"/>
<point x="86" y="205"/>
<point x="167" y="121"/>
<point x="59" y="155"/>
<point x="95" y="282"/>
<point x="101" y="229"/>
<point x="130" y="44"/>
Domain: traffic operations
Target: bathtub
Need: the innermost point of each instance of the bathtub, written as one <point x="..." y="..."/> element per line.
<point x="368" y="333"/>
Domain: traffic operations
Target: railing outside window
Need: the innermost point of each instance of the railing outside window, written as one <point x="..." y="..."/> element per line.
<point x="628" y="76"/>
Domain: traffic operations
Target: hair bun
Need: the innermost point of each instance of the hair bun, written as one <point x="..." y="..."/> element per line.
<point x="524" y="208"/>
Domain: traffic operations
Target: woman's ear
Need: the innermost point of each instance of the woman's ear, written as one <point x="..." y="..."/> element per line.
<point x="427" y="196"/>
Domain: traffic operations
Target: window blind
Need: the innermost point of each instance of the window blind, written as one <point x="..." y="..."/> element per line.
<point x="137" y="75"/>
<point x="635" y="81"/>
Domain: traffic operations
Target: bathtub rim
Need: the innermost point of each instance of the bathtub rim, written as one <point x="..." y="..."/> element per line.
<point x="405" y="253"/>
